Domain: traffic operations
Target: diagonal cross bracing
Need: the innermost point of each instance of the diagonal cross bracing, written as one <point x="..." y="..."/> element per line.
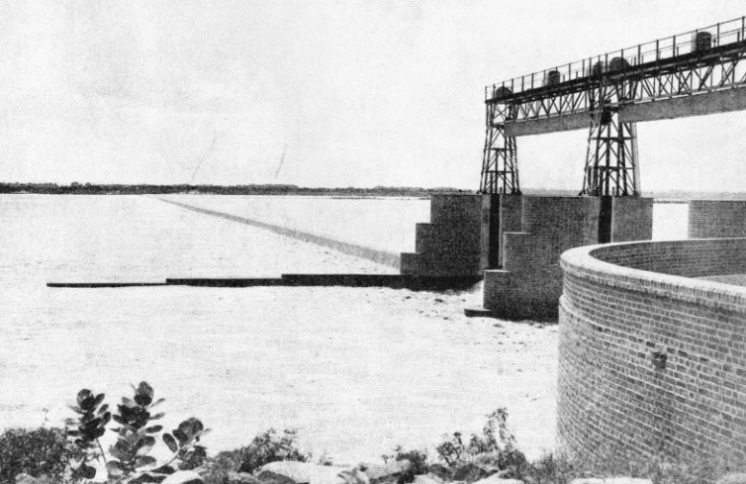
<point x="697" y="63"/>
<point x="691" y="74"/>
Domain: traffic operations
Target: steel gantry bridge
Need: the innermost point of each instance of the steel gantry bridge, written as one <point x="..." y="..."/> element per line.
<point x="695" y="73"/>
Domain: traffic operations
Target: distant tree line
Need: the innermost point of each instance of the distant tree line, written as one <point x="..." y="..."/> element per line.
<point x="76" y="188"/>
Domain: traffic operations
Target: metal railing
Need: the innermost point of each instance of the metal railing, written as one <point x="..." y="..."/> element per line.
<point x="699" y="40"/>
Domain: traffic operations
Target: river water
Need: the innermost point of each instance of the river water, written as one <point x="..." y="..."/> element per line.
<point x="357" y="371"/>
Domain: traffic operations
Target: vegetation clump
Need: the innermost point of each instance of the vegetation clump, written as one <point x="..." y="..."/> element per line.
<point x="269" y="446"/>
<point x="42" y="451"/>
<point x="75" y="454"/>
<point x="129" y="459"/>
<point x="479" y="456"/>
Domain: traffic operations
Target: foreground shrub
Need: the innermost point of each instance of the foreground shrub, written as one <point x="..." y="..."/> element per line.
<point x="265" y="448"/>
<point x="492" y="451"/>
<point x="136" y="436"/>
<point x="418" y="459"/>
<point x="35" y="452"/>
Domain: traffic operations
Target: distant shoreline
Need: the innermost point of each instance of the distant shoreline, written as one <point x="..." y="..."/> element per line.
<point x="294" y="190"/>
<point x="90" y="189"/>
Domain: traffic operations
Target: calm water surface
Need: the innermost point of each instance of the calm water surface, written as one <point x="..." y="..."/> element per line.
<point x="357" y="370"/>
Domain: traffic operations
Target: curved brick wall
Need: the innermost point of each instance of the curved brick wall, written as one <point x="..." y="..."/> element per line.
<point x="653" y="361"/>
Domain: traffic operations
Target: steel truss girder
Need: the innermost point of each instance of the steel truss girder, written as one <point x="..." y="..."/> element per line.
<point x="500" y="162"/>
<point x="634" y="85"/>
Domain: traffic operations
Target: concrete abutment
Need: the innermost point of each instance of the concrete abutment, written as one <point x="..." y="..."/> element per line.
<point x="527" y="284"/>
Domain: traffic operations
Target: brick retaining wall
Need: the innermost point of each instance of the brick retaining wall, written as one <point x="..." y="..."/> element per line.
<point x="450" y="245"/>
<point x="529" y="283"/>
<point x="651" y="360"/>
<point x="717" y="218"/>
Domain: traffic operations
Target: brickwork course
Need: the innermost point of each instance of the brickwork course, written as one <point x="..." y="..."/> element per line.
<point x="717" y="218"/>
<point x="528" y="282"/>
<point x="450" y="245"/>
<point x="653" y="360"/>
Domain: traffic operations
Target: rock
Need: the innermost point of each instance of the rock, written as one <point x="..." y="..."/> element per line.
<point x="356" y="476"/>
<point x="384" y="472"/>
<point x="443" y="472"/>
<point x="427" y="479"/>
<point x="497" y="479"/>
<point x="611" y="480"/>
<point x="24" y="478"/>
<point x="472" y="472"/>
<point x="269" y="477"/>
<point x="183" y="477"/>
<point x="149" y="478"/>
<point x="733" y="478"/>
<point x="241" y="478"/>
<point x="300" y="472"/>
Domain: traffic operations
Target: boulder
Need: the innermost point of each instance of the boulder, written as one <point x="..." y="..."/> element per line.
<point x="733" y="478"/>
<point x="24" y="478"/>
<point x="611" y="480"/>
<point x="302" y="472"/>
<point x="472" y="472"/>
<point x="443" y="472"/>
<point x="385" y="472"/>
<point x="241" y="478"/>
<point x="270" y="477"/>
<point x="183" y="477"/>
<point x="499" y="479"/>
<point x="427" y="479"/>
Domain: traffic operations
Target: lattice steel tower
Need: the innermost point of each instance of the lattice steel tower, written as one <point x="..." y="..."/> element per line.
<point x="500" y="162"/>
<point x="691" y="74"/>
<point x="611" y="159"/>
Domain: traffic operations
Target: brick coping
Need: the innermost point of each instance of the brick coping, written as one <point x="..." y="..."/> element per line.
<point x="585" y="262"/>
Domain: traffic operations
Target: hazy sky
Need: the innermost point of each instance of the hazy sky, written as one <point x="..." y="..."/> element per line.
<point x="321" y="93"/>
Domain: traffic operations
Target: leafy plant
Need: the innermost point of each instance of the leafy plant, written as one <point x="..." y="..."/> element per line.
<point x="87" y="430"/>
<point x="266" y="447"/>
<point x="183" y="443"/>
<point x="494" y="450"/>
<point x="136" y="436"/>
<point x="417" y="458"/>
<point x="37" y="452"/>
<point x="134" y="439"/>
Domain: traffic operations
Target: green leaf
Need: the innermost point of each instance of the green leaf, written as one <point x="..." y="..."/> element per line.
<point x="86" y="471"/>
<point x="181" y="436"/>
<point x="103" y="408"/>
<point x="115" y="469"/>
<point x="76" y="409"/>
<point x="122" y="451"/>
<point x="145" y="444"/>
<point x="87" y="404"/>
<point x="145" y="460"/>
<point x="144" y="394"/>
<point x="157" y="402"/>
<point x="154" y="429"/>
<point x="170" y="442"/>
<point x="82" y="395"/>
<point x="98" y="400"/>
<point x="157" y="416"/>
<point x="128" y="402"/>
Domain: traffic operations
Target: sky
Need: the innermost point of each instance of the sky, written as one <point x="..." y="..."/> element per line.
<point x="322" y="93"/>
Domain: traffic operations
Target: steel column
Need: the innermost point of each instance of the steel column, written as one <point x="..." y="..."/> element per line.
<point x="500" y="161"/>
